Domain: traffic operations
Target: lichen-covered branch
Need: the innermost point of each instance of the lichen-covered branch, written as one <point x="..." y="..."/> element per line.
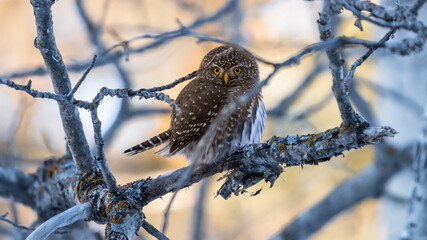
<point x="254" y="163"/>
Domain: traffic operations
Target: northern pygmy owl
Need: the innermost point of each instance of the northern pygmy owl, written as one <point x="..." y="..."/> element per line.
<point x="225" y="74"/>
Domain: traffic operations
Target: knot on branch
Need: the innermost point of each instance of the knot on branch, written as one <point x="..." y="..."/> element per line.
<point x="121" y="211"/>
<point x="92" y="188"/>
<point x="124" y="218"/>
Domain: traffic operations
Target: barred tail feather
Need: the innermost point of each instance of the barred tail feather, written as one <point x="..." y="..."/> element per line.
<point x="150" y="143"/>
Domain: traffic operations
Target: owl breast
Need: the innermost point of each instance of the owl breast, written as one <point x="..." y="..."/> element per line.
<point x="200" y="103"/>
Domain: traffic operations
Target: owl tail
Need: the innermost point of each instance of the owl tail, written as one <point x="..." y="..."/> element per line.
<point x="150" y="143"/>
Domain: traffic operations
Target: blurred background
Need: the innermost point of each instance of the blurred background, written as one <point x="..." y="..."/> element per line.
<point x="394" y="87"/>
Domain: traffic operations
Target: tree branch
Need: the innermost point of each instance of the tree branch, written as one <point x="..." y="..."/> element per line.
<point x="255" y="162"/>
<point x="153" y="231"/>
<point x="63" y="219"/>
<point x="416" y="224"/>
<point x="3" y="218"/>
<point x="17" y="185"/>
<point x="71" y="122"/>
<point x="336" y="64"/>
<point x="367" y="184"/>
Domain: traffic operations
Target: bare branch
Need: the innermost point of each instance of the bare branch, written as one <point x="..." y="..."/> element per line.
<point x="367" y="184"/>
<point x="361" y="104"/>
<point x="199" y="209"/>
<point x="311" y="109"/>
<point x="182" y="31"/>
<point x="124" y="93"/>
<point x="173" y="84"/>
<point x="400" y="98"/>
<point x="18" y="185"/>
<point x="153" y="231"/>
<point x="365" y="56"/>
<point x="417" y="6"/>
<point x="3" y="218"/>
<point x="283" y="107"/>
<point x="63" y="219"/>
<point x="27" y="88"/>
<point x="416" y="224"/>
<point x="71" y="122"/>
<point x="100" y="155"/>
<point x="83" y="77"/>
<point x="336" y="64"/>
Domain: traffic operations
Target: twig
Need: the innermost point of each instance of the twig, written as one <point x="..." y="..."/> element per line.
<point x="63" y="219"/>
<point x="162" y="38"/>
<point x="198" y="217"/>
<point x="27" y="88"/>
<point x="124" y="93"/>
<point x="100" y="155"/>
<point x="400" y="98"/>
<point x="105" y="9"/>
<point x="165" y="37"/>
<point x="153" y="231"/>
<point x="181" y="181"/>
<point x="83" y="77"/>
<point x="399" y="17"/>
<point x="284" y="105"/>
<point x="361" y="104"/>
<point x="3" y="218"/>
<point x="94" y="34"/>
<point x="311" y="109"/>
<point x="173" y="84"/>
<point x="13" y="129"/>
<point x="365" y="56"/>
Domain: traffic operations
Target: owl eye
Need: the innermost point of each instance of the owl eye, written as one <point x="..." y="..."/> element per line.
<point x="216" y="70"/>
<point x="237" y="70"/>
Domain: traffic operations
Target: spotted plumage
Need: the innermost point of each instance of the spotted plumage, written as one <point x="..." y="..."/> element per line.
<point x="225" y="74"/>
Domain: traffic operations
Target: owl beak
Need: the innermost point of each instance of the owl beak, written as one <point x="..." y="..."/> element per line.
<point x="226" y="78"/>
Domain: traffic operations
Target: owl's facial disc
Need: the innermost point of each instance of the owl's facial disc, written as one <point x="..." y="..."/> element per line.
<point x="227" y="74"/>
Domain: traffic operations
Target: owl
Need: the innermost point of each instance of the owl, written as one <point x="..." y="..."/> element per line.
<point x="225" y="74"/>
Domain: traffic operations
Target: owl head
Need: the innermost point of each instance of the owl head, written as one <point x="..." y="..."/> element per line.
<point x="230" y="66"/>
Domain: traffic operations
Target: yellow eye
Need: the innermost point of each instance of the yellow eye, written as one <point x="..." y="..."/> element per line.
<point x="216" y="70"/>
<point x="237" y="70"/>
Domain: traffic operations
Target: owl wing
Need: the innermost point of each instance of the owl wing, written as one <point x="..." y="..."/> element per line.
<point x="199" y="103"/>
